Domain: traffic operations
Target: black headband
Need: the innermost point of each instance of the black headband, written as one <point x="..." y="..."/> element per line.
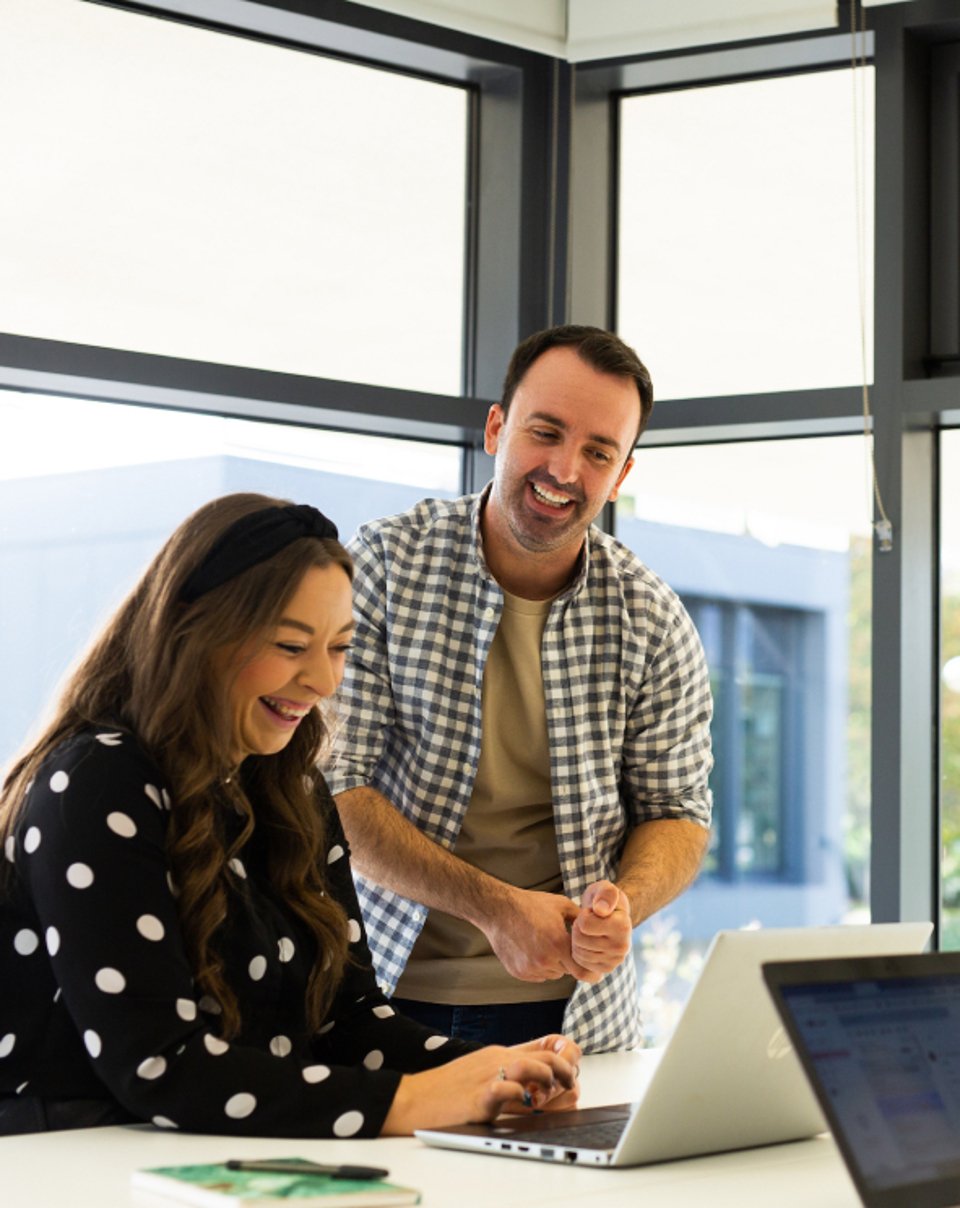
<point x="253" y="539"/>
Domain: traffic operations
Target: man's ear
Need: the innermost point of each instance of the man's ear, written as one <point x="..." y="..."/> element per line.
<point x="492" y="429"/>
<point x="628" y="465"/>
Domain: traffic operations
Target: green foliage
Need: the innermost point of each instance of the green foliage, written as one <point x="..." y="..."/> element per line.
<point x="857" y="818"/>
<point x="950" y="758"/>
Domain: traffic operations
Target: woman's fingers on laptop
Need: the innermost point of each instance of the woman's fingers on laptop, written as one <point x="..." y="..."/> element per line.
<point x="533" y="1075"/>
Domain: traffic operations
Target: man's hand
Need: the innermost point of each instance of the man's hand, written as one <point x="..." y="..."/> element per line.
<point x="602" y="931"/>
<point x="529" y="932"/>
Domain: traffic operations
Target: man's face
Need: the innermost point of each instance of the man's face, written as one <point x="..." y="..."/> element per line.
<point x="562" y="450"/>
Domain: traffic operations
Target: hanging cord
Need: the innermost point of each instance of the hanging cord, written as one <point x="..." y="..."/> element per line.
<point x="858" y="60"/>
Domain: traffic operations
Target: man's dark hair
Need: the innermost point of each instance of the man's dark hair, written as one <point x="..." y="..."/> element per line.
<point x="602" y="350"/>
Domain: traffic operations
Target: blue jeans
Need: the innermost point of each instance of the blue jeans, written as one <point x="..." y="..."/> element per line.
<point x="488" y="1023"/>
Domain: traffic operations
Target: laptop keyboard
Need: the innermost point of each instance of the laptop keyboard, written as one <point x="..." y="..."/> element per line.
<point x="604" y="1135"/>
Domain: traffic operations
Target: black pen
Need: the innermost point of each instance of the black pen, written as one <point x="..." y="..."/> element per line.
<point x="299" y="1166"/>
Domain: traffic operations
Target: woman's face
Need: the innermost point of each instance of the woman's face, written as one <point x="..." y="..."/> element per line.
<point x="301" y="662"/>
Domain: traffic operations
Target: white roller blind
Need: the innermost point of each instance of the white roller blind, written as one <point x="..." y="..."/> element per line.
<point x="596" y="29"/>
<point x="600" y="29"/>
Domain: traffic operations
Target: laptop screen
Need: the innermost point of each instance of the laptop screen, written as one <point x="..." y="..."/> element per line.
<point x="881" y="1045"/>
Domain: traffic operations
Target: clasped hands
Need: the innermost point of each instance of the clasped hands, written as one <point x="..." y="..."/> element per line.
<point x="542" y="936"/>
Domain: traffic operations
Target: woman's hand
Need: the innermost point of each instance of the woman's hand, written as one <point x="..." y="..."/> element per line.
<point x="536" y="1076"/>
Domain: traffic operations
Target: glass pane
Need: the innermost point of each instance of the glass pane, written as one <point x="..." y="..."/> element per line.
<point x="950" y="687"/>
<point x="173" y="190"/>
<point x="90" y="491"/>
<point x="768" y="544"/>
<point x="738" y="234"/>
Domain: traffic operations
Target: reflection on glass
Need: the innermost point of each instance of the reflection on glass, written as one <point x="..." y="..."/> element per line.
<point x="176" y="190"/>
<point x="768" y="544"/>
<point x="738" y="239"/>
<point x="950" y="687"/>
<point x="89" y="491"/>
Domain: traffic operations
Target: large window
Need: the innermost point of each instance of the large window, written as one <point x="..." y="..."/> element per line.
<point x="89" y="492"/>
<point x="768" y="545"/>
<point x="173" y="190"/>
<point x="740" y="234"/>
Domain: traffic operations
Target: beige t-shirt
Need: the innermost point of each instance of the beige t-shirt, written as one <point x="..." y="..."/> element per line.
<point x="508" y="829"/>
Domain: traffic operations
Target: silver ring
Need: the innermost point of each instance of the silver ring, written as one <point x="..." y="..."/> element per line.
<point x="502" y="1074"/>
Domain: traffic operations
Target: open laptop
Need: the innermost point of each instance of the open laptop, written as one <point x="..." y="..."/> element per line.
<point x="879" y="1038"/>
<point x="727" y="1078"/>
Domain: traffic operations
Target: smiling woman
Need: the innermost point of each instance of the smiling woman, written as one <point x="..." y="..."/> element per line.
<point x="278" y="683"/>
<point x="177" y="909"/>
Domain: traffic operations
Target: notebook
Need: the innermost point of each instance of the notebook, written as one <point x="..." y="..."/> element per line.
<point x="727" y="1079"/>
<point x="879" y="1038"/>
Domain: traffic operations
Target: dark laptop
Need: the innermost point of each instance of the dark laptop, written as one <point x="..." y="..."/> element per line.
<point x="879" y="1039"/>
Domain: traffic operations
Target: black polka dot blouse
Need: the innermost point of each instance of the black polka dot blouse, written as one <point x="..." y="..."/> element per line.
<point x="98" y="1001"/>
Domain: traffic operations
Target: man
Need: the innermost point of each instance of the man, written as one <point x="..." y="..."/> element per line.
<point x="526" y="722"/>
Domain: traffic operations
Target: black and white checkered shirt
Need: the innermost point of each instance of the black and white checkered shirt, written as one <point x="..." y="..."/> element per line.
<point x="628" y="710"/>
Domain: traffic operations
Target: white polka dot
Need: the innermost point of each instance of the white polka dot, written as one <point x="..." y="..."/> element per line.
<point x="92" y="1040"/>
<point x="154" y="794"/>
<point x="214" y="1045"/>
<point x="237" y="866"/>
<point x="152" y="1067"/>
<point x="187" y="1009"/>
<point x="435" y="1042"/>
<point x="150" y="927"/>
<point x="10" y="847"/>
<point x="109" y="740"/>
<point x="238" y="1107"/>
<point x="53" y="941"/>
<point x="165" y="798"/>
<point x="31" y="840"/>
<point x="287" y="949"/>
<point x="315" y="1073"/>
<point x="22" y="1087"/>
<point x="172" y="885"/>
<point x="80" y="876"/>
<point x="327" y="1027"/>
<point x="383" y="1012"/>
<point x="122" y="824"/>
<point x="26" y="942"/>
<point x="334" y="853"/>
<point x="210" y="1005"/>
<point x="110" y="981"/>
<point x="348" y="1125"/>
<point x="353" y="931"/>
<point x="58" y="782"/>
<point x="373" y="1060"/>
<point x="163" y="1122"/>
<point x="257" y="967"/>
<point x="56" y="997"/>
<point x="280" y="1046"/>
<point x="6" y="1044"/>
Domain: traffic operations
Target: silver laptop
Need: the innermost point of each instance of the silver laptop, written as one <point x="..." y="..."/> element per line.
<point x="727" y="1079"/>
<point x="879" y="1038"/>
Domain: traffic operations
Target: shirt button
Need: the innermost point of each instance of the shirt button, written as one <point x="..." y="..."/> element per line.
<point x="488" y="612"/>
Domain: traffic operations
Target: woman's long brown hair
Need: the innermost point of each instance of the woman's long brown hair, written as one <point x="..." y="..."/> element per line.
<point x="151" y="671"/>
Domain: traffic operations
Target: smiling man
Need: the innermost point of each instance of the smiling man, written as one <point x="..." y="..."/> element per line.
<point x="524" y="758"/>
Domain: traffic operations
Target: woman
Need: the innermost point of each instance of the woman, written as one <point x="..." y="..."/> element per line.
<point x="179" y="936"/>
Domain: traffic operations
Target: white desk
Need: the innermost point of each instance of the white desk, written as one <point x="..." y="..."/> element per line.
<point x="90" y="1168"/>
